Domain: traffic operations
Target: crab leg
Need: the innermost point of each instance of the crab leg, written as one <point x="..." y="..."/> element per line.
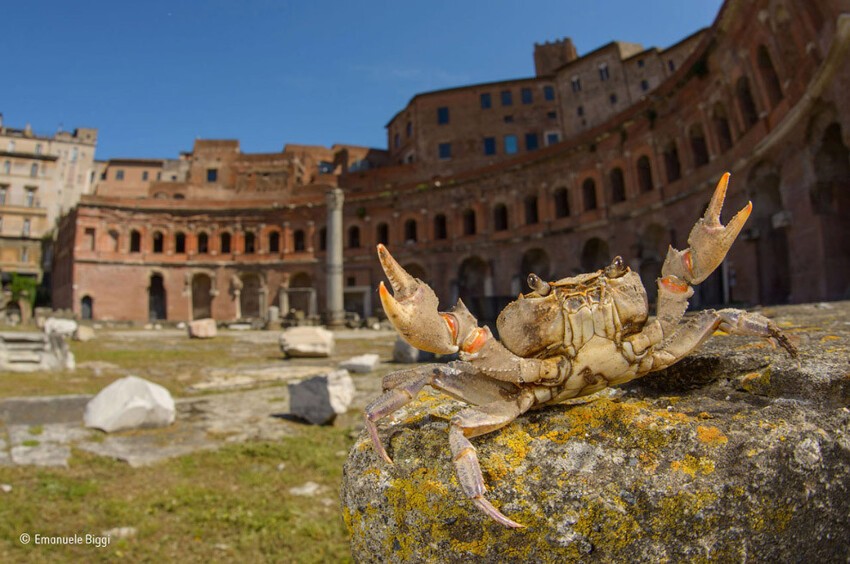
<point x="475" y="421"/>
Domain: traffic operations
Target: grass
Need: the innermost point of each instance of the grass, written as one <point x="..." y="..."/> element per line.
<point x="230" y="504"/>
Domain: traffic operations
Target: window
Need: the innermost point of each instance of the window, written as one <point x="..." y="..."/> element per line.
<point x="507" y="98"/>
<point x="500" y="217"/>
<point x="323" y="239"/>
<point x="613" y="99"/>
<point x="531" y="215"/>
<point x="410" y="231"/>
<point x="699" y="147"/>
<point x="25" y="254"/>
<point x="135" y="241"/>
<point x="562" y="202"/>
<point x="144" y="175"/>
<point x="486" y="101"/>
<point x="212" y="175"/>
<point x="721" y="127"/>
<point x="640" y="63"/>
<point x="746" y="103"/>
<point x="30" y="195"/>
<point x="588" y="193"/>
<point x="644" y="170"/>
<point x="224" y="241"/>
<point x="3" y="190"/>
<point x="353" y="237"/>
<point x="442" y="115"/>
<point x="553" y="115"/>
<point x="34" y="170"/>
<point x="671" y="65"/>
<point x="508" y="119"/>
<point x="531" y="142"/>
<point x="469" y="222"/>
<point x="203" y="243"/>
<point x="580" y="111"/>
<point x="114" y="239"/>
<point x="382" y="233"/>
<point x="618" y="185"/>
<point x="158" y="242"/>
<point x="26" y="229"/>
<point x="396" y="140"/>
<point x="511" y="145"/>
<point x="769" y="76"/>
<point x="548" y="93"/>
<point x="526" y="96"/>
<point x="576" y="83"/>
<point x="299" y="241"/>
<point x="644" y="85"/>
<point x="552" y="137"/>
<point x="88" y="238"/>
<point x="38" y="148"/>
<point x="119" y="175"/>
<point x="250" y="243"/>
<point x="445" y="150"/>
<point x="440" y="230"/>
<point x="603" y="72"/>
<point x="671" y="162"/>
<point x="489" y="145"/>
<point x="180" y="243"/>
<point x="408" y="129"/>
<point x="274" y="242"/>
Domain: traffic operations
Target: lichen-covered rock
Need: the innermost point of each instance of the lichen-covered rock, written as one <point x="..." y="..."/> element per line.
<point x="737" y="453"/>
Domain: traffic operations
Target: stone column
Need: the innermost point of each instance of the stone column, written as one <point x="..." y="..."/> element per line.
<point x="335" y="312"/>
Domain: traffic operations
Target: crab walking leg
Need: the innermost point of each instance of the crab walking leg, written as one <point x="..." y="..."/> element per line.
<point x="457" y="379"/>
<point x="475" y="421"/>
<point x="691" y="334"/>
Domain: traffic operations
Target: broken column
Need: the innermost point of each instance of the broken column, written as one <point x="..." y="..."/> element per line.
<point x="335" y="307"/>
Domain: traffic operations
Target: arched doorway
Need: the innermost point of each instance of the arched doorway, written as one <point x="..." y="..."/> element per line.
<point x="157" y="305"/>
<point x="595" y="255"/>
<point x="772" y="259"/>
<point x="472" y="285"/>
<point x="201" y="296"/>
<point x="87" y="308"/>
<point x="249" y="297"/>
<point x="535" y="261"/>
<point x="302" y="295"/>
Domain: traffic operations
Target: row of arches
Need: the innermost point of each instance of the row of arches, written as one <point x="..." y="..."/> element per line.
<point x="180" y="242"/>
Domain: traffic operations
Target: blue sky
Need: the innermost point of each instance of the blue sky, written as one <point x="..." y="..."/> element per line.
<point x="154" y="75"/>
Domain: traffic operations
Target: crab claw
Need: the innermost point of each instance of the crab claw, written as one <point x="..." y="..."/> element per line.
<point x="708" y="242"/>
<point x="413" y="309"/>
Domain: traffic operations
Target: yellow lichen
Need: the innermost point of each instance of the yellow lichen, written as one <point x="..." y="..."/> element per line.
<point x="830" y="338"/>
<point x="711" y="436"/>
<point x="692" y="465"/>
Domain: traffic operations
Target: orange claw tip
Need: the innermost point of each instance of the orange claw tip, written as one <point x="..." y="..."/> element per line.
<point x="476" y="342"/>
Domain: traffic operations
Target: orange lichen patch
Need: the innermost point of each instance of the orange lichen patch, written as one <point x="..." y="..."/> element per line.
<point x="828" y="338"/>
<point x="711" y="436"/>
<point x="705" y="415"/>
<point x="692" y="465"/>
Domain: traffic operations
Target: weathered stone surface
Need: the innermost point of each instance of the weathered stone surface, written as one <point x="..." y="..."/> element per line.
<point x="130" y="403"/>
<point x="84" y="333"/>
<point x="28" y="352"/>
<point x="361" y="363"/>
<point x="321" y="398"/>
<point x="202" y="328"/>
<point x="307" y="342"/>
<point x="735" y="452"/>
<point x="64" y="327"/>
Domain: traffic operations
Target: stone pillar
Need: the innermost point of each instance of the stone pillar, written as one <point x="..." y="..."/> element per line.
<point x="335" y="312"/>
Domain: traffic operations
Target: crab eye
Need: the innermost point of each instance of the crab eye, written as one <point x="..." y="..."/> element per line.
<point x="538" y="285"/>
<point x="616" y="269"/>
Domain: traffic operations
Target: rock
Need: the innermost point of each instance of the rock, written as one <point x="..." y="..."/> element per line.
<point x="120" y="532"/>
<point x="321" y="398"/>
<point x="64" y="327"/>
<point x="405" y="353"/>
<point x="240" y="326"/>
<point x="736" y="451"/>
<point x="83" y="333"/>
<point x="5" y="488"/>
<point x="28" y="352"/>
<point x="361" y="363"/>
<point x="307" y="342"/>
<point x="202" y="328"/>
<point x="308" y="490"/>
<point x="130" y="403"/>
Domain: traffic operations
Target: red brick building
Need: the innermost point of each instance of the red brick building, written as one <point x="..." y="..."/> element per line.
<point x="638" y="140"/>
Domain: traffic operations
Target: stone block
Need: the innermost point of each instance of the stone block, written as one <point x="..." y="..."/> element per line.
<point x="361" y="363"/>
<point x="321" y="398"/>
<point x="64" y="327"/>
<point x="84" y="333"/>
<point x="202" y="329"/>
<point x="307" y="342"/>
<point x="130" y="403"/>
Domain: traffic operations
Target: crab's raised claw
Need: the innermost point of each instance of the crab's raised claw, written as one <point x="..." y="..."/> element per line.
<point x="413" y="309"/>
<point x="708" y="242"/>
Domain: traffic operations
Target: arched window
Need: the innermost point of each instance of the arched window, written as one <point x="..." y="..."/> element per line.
<point x="618" y="185"/>
<point x="671" y="162"/>
<point x="299" y="240"/>
<point x="353" y="237"/>
<point x="250" y="243"/>
<point x="500" y="217"/>
<point x="382" y="233"/>
<point x="440" y="231"/>
<point x="410" y="230"/>
<point x="135" y="241"/>
<point x="323" y="239"/>
<point x="469" y="227"/>
<point x="225" y="242"/>
<point x="274" y="242"/>
<point x="721" y="127"/>
<point x="87" y="308"/>
<point x="644" y="174"/>
<point x="588" y="194"/>
<point x="699" y="148"/>
<point x="158" y="241"/>
<point x="180" y="243"/>
<point x="114" y="240"/>
<point x="531" y="214"/>
<point x="562" y="202"/>
<point x="746" y="104"/>
<point x="203" y="243"/>
<point x="769" y="76"/>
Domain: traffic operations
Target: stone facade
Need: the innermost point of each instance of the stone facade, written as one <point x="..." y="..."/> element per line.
<point x="760" y="94"/>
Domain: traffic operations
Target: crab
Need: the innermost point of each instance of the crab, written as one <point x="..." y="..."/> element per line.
<point x="563" y="340"/>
